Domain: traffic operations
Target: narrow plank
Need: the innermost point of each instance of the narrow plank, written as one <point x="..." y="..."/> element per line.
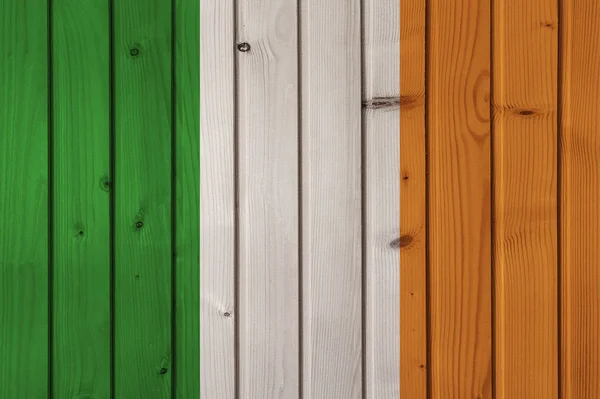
<point x="217" y="200"/>
<point x="81" y="306"/>
<point x="460" y="202"/>
<point x="24" y="199"/>
<point x="268" y="199"/>
<point x="331" y="199"/>
<point x="413" y="233"/>
<point x="187" y="217"/>
<point x="143" y="253"/>
<point x="381" y="46"/>
<point x="525" y="55"/>
<point x="579" y="199"/>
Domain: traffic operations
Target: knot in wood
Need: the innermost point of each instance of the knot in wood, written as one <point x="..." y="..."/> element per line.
<point x="401" y="242"/>
<point x="243" y="47"/>
<point x="105" y="184"/>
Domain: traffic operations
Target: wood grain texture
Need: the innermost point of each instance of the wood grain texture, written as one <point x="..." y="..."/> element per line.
<point x="525" y="40"/>
<point x="460" y="202"/>
<point x="24" y="199"/>
<point x="331" y="199"/>
<point x="217" y="200"/>
<point x="268" y="200"/>
<point x="413" y="234"/>
<point x="143" y="253"/>
<point x="381" y="46"/>
<point x="187" y="217"/>
<point x="81" y="307"/>
<point x="580" y="196"/>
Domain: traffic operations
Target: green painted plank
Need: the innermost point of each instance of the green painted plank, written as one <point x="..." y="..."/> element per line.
<point x="23" y="199"/>
<point x="81" y="306"/>
<point x="143" y="253"/>
<point x="187" y="155"/>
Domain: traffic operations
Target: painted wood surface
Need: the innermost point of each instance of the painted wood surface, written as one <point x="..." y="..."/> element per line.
<point x="382" y="194"/>
<point x="81" y="200"/>
<point x="24" y="192"/>
<point x="525" y="41"/>
<point x="218" y="314"/>
<point x="460" y="199"/>
<point x="413" y="228"/>
<point x="579" y="198"/>
<point x="267" y="82"/>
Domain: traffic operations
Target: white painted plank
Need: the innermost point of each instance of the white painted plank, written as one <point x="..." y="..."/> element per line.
<point x="217" y="229"/>
<point x="382" y="254"/>
<point x="268" y="200"/>
<point x="382" y="221"/>
<point x="331" y="199"/>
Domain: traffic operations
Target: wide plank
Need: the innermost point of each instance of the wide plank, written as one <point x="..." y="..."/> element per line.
<point x="24" y="191"/>
<point x="143" y="206"/>
<point x="268" y="312"/>
<point x="81" y="280"/>
<point x="525" y="65"/>
<point x="332" y="363"/>
<point x="460" y="199"/>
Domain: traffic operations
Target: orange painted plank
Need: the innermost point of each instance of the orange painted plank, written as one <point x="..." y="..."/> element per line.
<point x="580" y="199"/>
<point x="460" y="199"/>
<point x="525" y="66"/>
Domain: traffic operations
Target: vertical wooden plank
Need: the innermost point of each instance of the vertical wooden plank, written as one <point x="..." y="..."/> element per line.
<point x="413" y="233"/>
<point x="142" y="59"/>
<point x="81" y="306"/>
<point x="217" y="200"/>
<point x="460" y="202"/>
<point x="187" y="218"/>
<point x="525" y="41"/>
<point x="579" y="198"/>
<point x="381" y="46"/>
<point x="331" y="199"/>
<point x="24" y="199"/>
<point x="268" y="199"/>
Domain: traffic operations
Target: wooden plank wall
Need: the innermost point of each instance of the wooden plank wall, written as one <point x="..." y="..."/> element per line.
<point x="499" y="217"/>
<point x="300" y="190"/>
<point x="99" y="245"/>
